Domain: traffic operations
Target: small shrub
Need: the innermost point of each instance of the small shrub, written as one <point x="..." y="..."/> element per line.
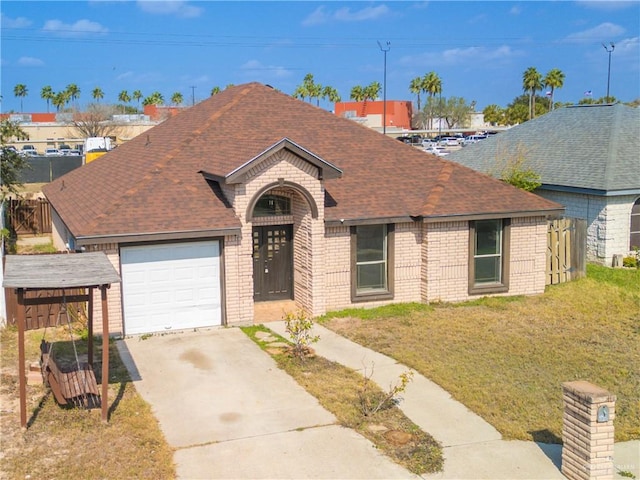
<point x="371" y="401"/>
<point x="299" y="326"/>
<point x="630" y="262"/>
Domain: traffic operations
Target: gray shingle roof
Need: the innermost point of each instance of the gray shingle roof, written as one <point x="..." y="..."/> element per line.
<point x="590" y="147"/>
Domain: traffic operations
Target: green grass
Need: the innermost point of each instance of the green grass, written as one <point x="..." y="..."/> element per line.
<point x="337" y="388"/>
<point x="506" y="358"/>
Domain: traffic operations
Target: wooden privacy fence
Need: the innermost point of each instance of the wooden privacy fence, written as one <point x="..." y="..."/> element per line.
<point x="28" y="216"/>
<point x="566" y="250"/>
<point x="40" y="316"/>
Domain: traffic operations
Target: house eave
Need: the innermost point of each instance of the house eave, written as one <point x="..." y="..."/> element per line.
<point x="552" y="213"/>
<point x="368" y="221"/>
<point x="155" y="236"/>
<point x="589" y="191"/>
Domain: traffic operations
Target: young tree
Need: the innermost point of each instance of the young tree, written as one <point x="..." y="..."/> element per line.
<point x="553" y="79"/>
<point x="11" y="163"/>
<point x="95" y="121"/>
<point x="97" y="94"/>
<point x="456" y="112"/>
<point x="20" y="91"/>
<point x="47" y="94"/>
<point x="493" y="114"/>
<point x="531" y="82"/>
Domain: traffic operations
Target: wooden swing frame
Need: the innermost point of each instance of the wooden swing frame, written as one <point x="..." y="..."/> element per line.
<point x="59" y="272"/>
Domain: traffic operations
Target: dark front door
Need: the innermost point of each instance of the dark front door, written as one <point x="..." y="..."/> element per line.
<point x="272" y="263"/>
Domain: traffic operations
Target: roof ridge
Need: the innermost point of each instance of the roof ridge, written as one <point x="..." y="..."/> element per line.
<point x="159" y="165"/>
<point x="434" y="196"/>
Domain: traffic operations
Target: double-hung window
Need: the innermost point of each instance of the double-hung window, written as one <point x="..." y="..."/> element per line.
<point x="489" y="245"/>
<point x="371" y="262"/>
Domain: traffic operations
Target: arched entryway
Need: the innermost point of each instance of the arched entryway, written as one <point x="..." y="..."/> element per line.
<point x="281" y="215"/>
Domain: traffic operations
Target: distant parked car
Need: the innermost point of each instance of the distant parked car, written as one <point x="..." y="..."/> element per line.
<point x="64" y="149"/>
<point x="29" y="150"/>
<point x="449" y="142"/>
<point x="410" y="139"/>
<point x="429" y="142"/>
<point x="471" y="139"/>
<point x="52" y="152"/>
<point x="74" y="153"/>
<point x="436" y="150"/>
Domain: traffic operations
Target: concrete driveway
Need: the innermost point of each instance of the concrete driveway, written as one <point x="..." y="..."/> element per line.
<point x="229" y="412"/>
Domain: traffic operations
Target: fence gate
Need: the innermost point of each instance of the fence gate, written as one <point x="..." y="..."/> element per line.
<point x="29" y="216"/>
<point x="566" y="250"/>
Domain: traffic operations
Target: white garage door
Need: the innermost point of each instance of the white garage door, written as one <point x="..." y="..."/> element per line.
<point x="171" y="286"/>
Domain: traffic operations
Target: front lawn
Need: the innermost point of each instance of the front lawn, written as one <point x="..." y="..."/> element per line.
<point x="506" y="358"/>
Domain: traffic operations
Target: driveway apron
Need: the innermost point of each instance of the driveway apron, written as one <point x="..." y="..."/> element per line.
<point x="230" y="412"/>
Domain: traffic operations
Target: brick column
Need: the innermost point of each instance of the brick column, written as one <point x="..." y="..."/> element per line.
<point x="587" y="431"/>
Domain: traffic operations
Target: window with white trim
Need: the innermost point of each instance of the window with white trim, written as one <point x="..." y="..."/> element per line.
<point x="489" y="243"/>
<point x="371" y="261"/>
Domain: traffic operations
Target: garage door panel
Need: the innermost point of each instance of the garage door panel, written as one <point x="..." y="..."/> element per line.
<point x="171" y="286"/>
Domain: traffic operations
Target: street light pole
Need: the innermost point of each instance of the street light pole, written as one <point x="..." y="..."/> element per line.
<point x="609" y="69"/>
<point x="384" y="87"/>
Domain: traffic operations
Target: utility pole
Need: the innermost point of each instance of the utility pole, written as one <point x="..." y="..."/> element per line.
<point x="609" y="69"/>
<point x="193" y="96"/>
<point x="384" y="87"/>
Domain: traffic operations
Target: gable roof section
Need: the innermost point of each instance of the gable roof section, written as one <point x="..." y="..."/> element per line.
<point x="593" y="148"/>
<point x="164" y="183"/>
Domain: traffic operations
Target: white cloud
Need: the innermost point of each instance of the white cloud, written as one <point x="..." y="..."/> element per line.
<point x="79" y="28"/>
<point x="461" y="56"/>
<point x="322" y="15"/>
<point x="515" y="10"/>
<point x="603" y="32"/>
<point x="170" y="7"/>
<point x="30" y="62"/>
<point x="254" y="68"/>
<point x="19" y="22"/>
<point x="607" y="5"/>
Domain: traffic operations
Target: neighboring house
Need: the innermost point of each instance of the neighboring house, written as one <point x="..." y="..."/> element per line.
<point x="588" y="158"/>
<point x="254" y="196"/>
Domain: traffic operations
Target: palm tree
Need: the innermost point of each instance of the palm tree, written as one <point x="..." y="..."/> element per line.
<point x="47" y="94"/>
<point x="215" y="91"/>
<point x="155" y="98"/>
<point x="301" y="93"/>
<point x="372" y="91"/>
<point x="357" y="94"/>
<point x="124" y="97"/>
<point x="531" y="82"/>
<point x="73" y="92"/>
<point x="97" y="94"/>
<point x="415" y="87"/>
<point x="331" y="94"/>
<point x="431" y="84"/>
<point x="20" y="91"/>
<point x="137" y="95"/>
<point x="177" y="98"/>
<point x="59" y="100"/>
<point x="554" y="79"/>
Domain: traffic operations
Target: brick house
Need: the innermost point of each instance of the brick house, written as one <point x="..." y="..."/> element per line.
<point x="253" y="196"/>
<point x="589" y="161"/>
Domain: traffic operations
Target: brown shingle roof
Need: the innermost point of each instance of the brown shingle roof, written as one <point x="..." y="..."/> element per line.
<point x="152" y="184"/>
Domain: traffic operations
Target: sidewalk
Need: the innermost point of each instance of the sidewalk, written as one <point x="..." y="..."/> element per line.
<point x="473" y="449"/>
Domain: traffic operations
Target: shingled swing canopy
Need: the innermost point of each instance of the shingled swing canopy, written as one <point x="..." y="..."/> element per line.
<point x="59" y="272"/>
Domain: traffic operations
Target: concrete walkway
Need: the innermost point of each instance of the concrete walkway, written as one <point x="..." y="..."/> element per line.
<point x="230" y="413"/>
<point x="473" y="449"/>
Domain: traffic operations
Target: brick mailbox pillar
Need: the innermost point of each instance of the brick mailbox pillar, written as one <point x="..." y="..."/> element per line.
<point x="587" y="431"/>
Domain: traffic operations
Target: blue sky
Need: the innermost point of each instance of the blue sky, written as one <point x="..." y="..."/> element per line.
<point x="479" y="49"/>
